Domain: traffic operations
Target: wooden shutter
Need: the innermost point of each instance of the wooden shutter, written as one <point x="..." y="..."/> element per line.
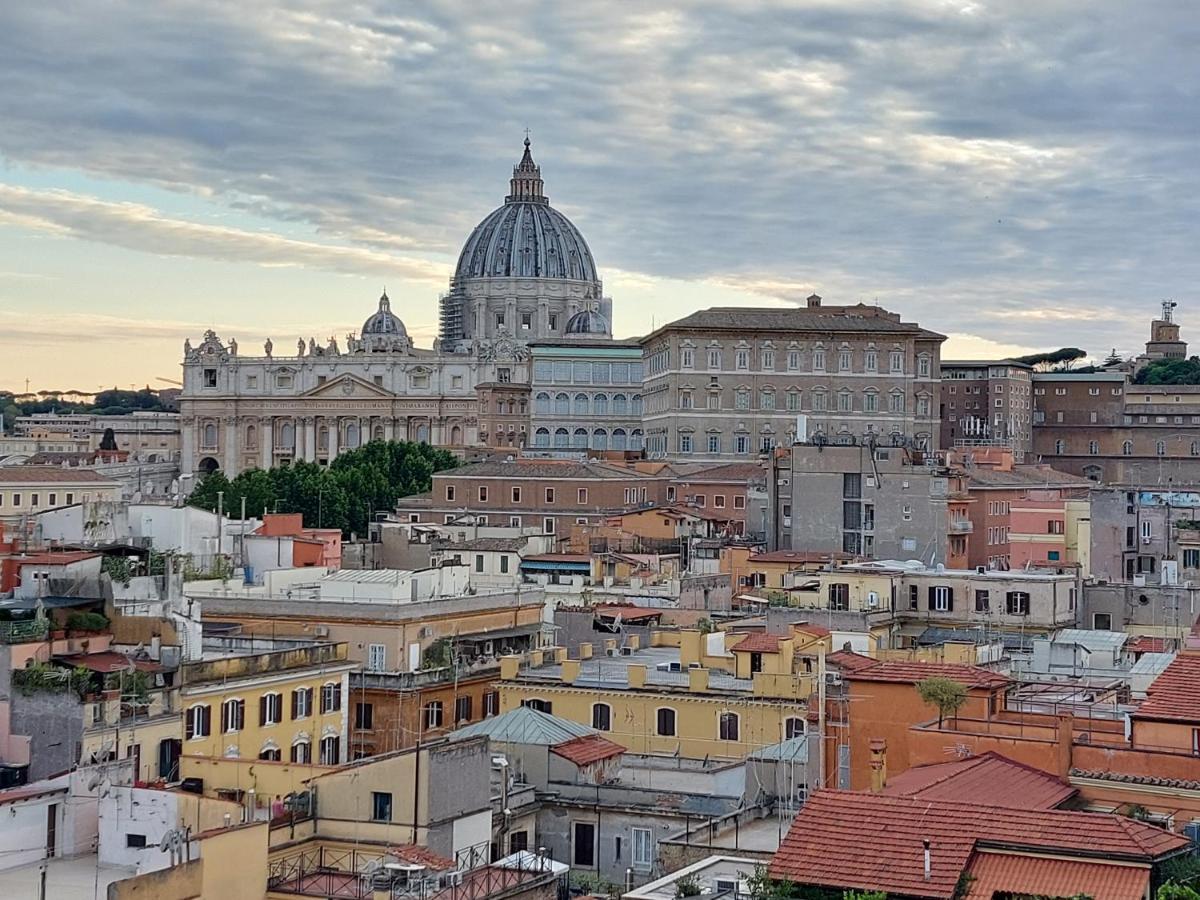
<point x="206" y="717"/>
<point x="932" y="599"/>
<point x="190" y="724"/>
<point x="262" y="710"/>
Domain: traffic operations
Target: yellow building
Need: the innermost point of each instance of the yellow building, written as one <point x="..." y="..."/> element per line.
<point x="147" y="732"/>
<point x="719" y="695"/>
<point x="25" y="490"/>
<point x="256" y="727"/>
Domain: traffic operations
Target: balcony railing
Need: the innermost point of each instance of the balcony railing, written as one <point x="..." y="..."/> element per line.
<point x="961" y="526"/>
<point x="20" y="632"/>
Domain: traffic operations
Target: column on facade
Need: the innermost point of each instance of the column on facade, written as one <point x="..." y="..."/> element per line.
<point x="402" y="429"/>
<point x="266" y="437"/>
<point x="332" y="423"/>
<point x="187" y="435"/>
<point x="310" y="438"/>
<point x="389" y="429"/>
<point x="230" y="463"/>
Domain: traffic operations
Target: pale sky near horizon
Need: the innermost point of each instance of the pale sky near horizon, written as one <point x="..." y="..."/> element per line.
<point x="1018" y="176"/>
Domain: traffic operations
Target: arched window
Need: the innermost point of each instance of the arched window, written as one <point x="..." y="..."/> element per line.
<point x="301" y="752"/>
<point x="323" y="438"/>
<point x="1093" y="448"/>
<point x="600" y="405"/>
<point x="352" y="435"/>
<point x="331" y="697"/>
<point x="455" y="436"/>
<point x="620" y="405"/>
<point x="422" y="434"/>
<point x="664" y="722"/>
<point x="287" y="436"/>
<point x="541" y="404"/>
<point x="599" y="439"/>
<point x="562" y="405"/>
<point x="727" y="727"/>
<point x="561" y="438"/>
<point x="579" y="440"/>
<point x="1127" y="448"/>
<point x="618" y="439"/>
<point x="636" y="440"/>
<point x="635" y="405"/>
<point x="602" y="717"/>
<point x="270" y="753"/>
<point x="330" y="751"/>
<point x="793" y="727"/>
<point x="233" y="716"/>
<point x="378" y="435"/>
<point x="538" y="704"/>
<point x="251" y="436"/>
<point x="198" y="722"/>
<point x="1195" y="451"/>
<point x="581" y="404"/>
<point x="270" y="709"/>
<point x="1060" y="447"/>
<point x="210" y="434"/>
<point x="541" y="437"/>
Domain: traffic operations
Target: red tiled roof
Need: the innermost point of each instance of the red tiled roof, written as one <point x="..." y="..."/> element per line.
<point x="849" y="661"/>
<point x="1175" y="694"/>
<point x="421" y="856"/>
<point x="627" y="613"/>
<point x="585" y="750"/>
<point x="1145" y="644"/>
<point x="759" y="642"/>
<point x="818" y="630"/>
<point x="912" y="672"/>
<point x="1039" y="876"/>
<point x="988" y="779"/>
<point x="109" y="662"/>
<point x="47" y="474"/>
<point x="848" y="839"/>
<point x="54" y="558"/>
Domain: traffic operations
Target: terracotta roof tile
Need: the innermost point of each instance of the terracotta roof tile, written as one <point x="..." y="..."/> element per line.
<point x="988" y="779"/>
<point x="46" y="474"/>
<point x="1145" y="644"/>
<point x="758" y="642"/>
<point x="1175" y="694"/>
<point x="912" y="672"/>
<point x="583" y="751"/>
<point x="828" y="841"/>
<point x="1012" y="874"/>
<point x="849" y="661"/>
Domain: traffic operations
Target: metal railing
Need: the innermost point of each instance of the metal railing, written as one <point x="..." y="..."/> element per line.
<point x="19" y="632"/>
<point x="358" y="875"/>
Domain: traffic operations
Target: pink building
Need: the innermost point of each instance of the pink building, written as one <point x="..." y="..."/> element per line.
<point x="292" y="525"/>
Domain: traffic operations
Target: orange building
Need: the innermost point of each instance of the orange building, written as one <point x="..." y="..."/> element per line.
<point x="393" y="711"/>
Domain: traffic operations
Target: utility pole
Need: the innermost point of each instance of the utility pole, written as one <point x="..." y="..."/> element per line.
<point x="220" y="511"/>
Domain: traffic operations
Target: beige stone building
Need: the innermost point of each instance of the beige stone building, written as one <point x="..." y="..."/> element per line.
<point x="525" y="274"/>
<point x="727" y="383"/>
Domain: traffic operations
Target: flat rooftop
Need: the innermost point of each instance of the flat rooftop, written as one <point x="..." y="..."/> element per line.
<point x="613" y="671"/>
<point x="77" y="878"/>
<point x="912" y="567"/>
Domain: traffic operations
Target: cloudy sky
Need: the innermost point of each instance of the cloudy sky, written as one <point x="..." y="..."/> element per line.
<point x="1014" y="174"/>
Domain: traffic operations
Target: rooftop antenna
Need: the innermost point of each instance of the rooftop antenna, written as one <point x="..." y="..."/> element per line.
<point x="1167" y="306"/>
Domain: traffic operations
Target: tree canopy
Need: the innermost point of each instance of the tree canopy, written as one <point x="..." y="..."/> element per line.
<point x="1170" y="371"/>
<point x="946" y="694"/>
<point x="345" y="495"/>
<point x="1053" y="360"/>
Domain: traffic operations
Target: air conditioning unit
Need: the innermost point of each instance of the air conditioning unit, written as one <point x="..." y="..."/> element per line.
<point x="321" y="631"/>
<point x="981" y="570"/>
<point x="833" y="678"/>
<point x="627" y="651"/>
<point x="612" y="651"/>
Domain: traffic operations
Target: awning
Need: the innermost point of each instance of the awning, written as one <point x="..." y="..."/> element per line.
<point x="49" y="602"/>
<point x="542" y="565"/>
<point x="500" y="634"/>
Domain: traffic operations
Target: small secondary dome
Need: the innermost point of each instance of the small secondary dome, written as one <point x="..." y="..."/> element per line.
<point x="526" y="237"/>
<point x="587" y="321"/>
<point x="384" y="321"/>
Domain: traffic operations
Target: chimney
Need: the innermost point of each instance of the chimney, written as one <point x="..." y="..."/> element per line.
<point x="697" y="680"/>
<point x="636" y="675"/>
<point x="878" y="765"/>
<point x="585" y="651"/>
<point x="928" y="862"/>
<point x="570" y="671"/>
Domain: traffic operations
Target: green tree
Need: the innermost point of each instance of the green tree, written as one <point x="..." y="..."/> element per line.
<point x="1173" y="891"/>
<point x="346" y="495"/>
<point x="946" y="694"/>
<point x="1052" y="361"/>
<point x="1170" y="371"/>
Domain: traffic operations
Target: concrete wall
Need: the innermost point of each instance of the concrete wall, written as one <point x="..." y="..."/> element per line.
<point x="183" y="882"/>
<point x="54" y="723"/>
<point x="23" y="837"/>
<point x="1152" y="610"/>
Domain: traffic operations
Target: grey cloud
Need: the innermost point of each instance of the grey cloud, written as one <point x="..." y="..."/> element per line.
<point x="970" y="164"/>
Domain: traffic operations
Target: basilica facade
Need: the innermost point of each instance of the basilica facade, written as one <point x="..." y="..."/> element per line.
<point x="524" y="275"/>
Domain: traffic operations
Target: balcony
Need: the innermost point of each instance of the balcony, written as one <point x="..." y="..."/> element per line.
<point x="960" y="526"/>
<point x="23" y="632"/>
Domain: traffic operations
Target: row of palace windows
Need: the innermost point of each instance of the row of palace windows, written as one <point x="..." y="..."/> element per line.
<point x="567" y="372"/>
<point x="666" y="721"/>
<point x="843" y="401"/>
<point x="582" y="405"/>
<point x="1160" y="448"/>
<point x="580" y="439"/>
<point x="842" y="358"/>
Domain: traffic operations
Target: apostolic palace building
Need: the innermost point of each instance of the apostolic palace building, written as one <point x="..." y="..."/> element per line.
<point x="525" y="277"/>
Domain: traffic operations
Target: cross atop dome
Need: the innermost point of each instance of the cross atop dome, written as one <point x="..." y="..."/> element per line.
<point x="526" y="184"/>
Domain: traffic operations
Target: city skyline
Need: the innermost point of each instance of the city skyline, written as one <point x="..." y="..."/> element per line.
<point x="1016" y="182"/>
